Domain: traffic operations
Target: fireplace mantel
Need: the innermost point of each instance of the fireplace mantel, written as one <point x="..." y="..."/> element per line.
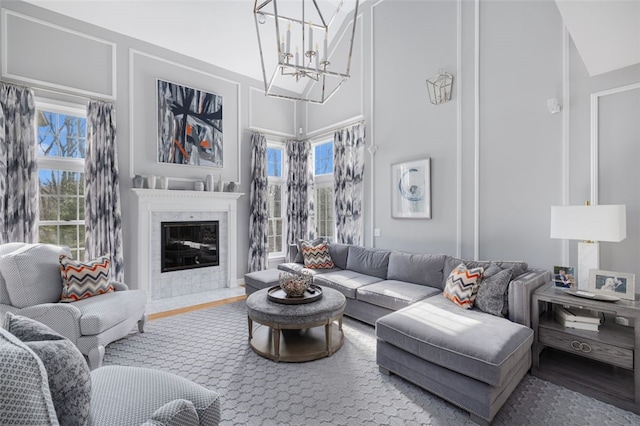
<point x="150" y="201"/>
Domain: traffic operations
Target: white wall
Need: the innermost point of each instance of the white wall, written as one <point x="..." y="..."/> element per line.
<point x="494" y="174"/>
<point x="101" y="64"/>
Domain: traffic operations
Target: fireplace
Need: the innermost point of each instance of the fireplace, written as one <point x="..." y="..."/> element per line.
<point x="189" y="245"/>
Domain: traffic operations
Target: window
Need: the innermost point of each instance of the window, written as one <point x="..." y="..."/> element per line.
<point x="61" y="138"/>
<point x="323" y="173"/>
<point x="276" y="229"/>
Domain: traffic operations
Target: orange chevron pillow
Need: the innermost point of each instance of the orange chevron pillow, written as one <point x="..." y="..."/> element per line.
<point x="316" y="257"/>
<point x="81" y="280"/>
<point x="462" y="285"/>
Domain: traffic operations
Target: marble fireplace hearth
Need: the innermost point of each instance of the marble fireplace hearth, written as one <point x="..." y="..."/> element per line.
<point x="176" y="289"/>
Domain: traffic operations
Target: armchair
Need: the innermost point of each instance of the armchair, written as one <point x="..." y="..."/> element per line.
<point x="31" y="286"/>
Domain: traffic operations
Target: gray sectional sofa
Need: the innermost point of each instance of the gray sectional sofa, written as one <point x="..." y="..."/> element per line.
<point x="471" y="358"/>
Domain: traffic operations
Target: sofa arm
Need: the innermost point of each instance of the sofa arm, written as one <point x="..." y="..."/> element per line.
<point x="175" y="413"/>
<point x="119" y="286"/>
<point x="63" y="318"/>
<point x="520" y="290"/>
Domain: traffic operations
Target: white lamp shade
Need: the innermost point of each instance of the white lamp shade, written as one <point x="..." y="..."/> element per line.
<point x="593" y="223"/>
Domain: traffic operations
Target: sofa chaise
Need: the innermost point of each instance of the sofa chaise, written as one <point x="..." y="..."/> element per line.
<point x="471" y="358"/>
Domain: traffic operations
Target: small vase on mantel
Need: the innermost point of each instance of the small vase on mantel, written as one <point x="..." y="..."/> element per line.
<point x="138" y="181"/>
<point x="209" y="183"/>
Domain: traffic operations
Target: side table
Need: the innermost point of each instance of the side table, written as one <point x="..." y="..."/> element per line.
<point x="603" y="364"/>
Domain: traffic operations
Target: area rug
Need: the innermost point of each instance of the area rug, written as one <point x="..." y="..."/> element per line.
<point x="210" y="347"/>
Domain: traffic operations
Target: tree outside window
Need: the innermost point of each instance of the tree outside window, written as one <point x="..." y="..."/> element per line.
<point x="275" y="188"/>
<point x="61" y="139"/>
<point x="323" y="175"/>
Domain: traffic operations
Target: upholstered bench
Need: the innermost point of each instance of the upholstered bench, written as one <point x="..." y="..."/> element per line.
<point x="465" y="356"/>
<point x="258" y="280"/>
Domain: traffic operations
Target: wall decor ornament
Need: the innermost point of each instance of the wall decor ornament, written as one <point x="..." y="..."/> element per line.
<point x="189" y="126"/>
<point x="411" y="189"/>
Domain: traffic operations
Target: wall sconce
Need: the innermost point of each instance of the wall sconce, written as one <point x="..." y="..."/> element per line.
<point x="439" y="88"/>
<point x="553" y="106"/>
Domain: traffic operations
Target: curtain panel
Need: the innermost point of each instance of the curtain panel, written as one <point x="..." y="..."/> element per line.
<point x="103" y="218"/>
<point x="300" y="188"/>
<point x="258" y="201"/>
<point x="18" y="165"/>
<point x="348" y="173"/>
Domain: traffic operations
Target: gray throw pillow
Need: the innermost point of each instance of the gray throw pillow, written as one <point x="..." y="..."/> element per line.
<point x="492" y="292"/>
<point x="67" y="371"/>
<point x="299" y="258"/>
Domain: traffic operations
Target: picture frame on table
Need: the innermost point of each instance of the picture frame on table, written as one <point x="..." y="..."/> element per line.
<point x="411" y="189"/>
<point x="564" y="277"/>
<point x="611" y="283"/>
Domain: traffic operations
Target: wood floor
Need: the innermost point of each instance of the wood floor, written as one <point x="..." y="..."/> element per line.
<point x="186" y="309"/>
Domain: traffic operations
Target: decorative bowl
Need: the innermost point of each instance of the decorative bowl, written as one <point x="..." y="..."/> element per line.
<point x="295" y="284"/>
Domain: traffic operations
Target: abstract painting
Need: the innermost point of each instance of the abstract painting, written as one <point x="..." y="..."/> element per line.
<point x="189" y="126"/>
<point x="411" y="189"/>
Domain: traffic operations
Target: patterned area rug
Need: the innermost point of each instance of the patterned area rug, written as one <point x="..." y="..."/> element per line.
<point x="210" y="347"/>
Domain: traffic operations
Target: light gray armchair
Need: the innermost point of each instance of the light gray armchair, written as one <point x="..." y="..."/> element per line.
<point x="31" y="286"/>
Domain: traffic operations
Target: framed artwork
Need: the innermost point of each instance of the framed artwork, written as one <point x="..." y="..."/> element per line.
<point x="564" y="277"/>
<point x="411" y="189"/>
<point x="611" y="283"/>
<point x="189" y="126"/>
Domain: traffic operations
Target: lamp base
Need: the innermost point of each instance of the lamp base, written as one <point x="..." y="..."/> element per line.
<point x="588" y="258"/>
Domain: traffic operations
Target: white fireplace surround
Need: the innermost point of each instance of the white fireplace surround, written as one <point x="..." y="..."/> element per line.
<point x="154" y="205"/>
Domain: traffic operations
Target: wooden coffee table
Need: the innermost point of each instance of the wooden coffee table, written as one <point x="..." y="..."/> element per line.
<point x="296" y="333"/>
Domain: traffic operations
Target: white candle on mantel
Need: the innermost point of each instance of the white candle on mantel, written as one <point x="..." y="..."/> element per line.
<point x="317" y="57"/>
<point x="282" y="51"/>
<point x="310" y="37"/>
<point x="289" y="38"/>
<point x="326" y="34"/>
<point x="296" y="56"/>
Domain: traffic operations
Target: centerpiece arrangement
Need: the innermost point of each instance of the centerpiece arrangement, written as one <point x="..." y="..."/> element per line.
<point x="295" y="284"/>
<point x="295" y="288"/>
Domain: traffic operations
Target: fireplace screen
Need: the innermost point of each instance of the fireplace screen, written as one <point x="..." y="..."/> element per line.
<point x="188" y="245"/>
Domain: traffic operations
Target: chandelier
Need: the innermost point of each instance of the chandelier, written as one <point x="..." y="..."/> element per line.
<point x="305" y="46"/>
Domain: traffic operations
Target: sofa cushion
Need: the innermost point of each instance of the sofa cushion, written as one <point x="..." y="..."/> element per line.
<point x="492" y="293"/>
<point x="299" y="256"/>
<point x="462" y="285"/>
<point x="81" y="280"/>
<point x="296" y="267"/>
<point x="469" y="342"/>
<point x="25" y="397"/>
<point x="368" y="261"/>
<point x="393" y="294"/>
<point x="346" y="282"/>
<point x="32" y="274"/>
<point x="102" y="312"/>
<point x="339" y="254"/>
<point x="423" y="269"/>
<point x="316" y="256"/>
<point x="262" y="279"/>
<point x="68" y="374"/>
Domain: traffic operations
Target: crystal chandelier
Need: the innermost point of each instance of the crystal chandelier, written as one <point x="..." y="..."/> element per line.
<point x="305" y="46"/>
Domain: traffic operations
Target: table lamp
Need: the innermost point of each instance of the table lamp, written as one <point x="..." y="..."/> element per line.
<point x="590" y="224"/>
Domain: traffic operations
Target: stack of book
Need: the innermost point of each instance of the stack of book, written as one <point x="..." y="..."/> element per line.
<point x="580" y="319"/>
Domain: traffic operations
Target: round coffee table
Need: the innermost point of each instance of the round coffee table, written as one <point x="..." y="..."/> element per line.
<point x="292" y="333"/>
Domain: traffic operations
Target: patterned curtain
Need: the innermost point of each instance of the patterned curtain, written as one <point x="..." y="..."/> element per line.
<point x="18" y="165"/>
<point x="258" y="201"/>
<point x="300" y="208"/>
<point x="348" y="172"/>
<point x="102" y="216"/>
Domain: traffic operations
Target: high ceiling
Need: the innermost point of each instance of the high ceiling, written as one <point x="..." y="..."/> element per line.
<point x="223" y="32"/>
